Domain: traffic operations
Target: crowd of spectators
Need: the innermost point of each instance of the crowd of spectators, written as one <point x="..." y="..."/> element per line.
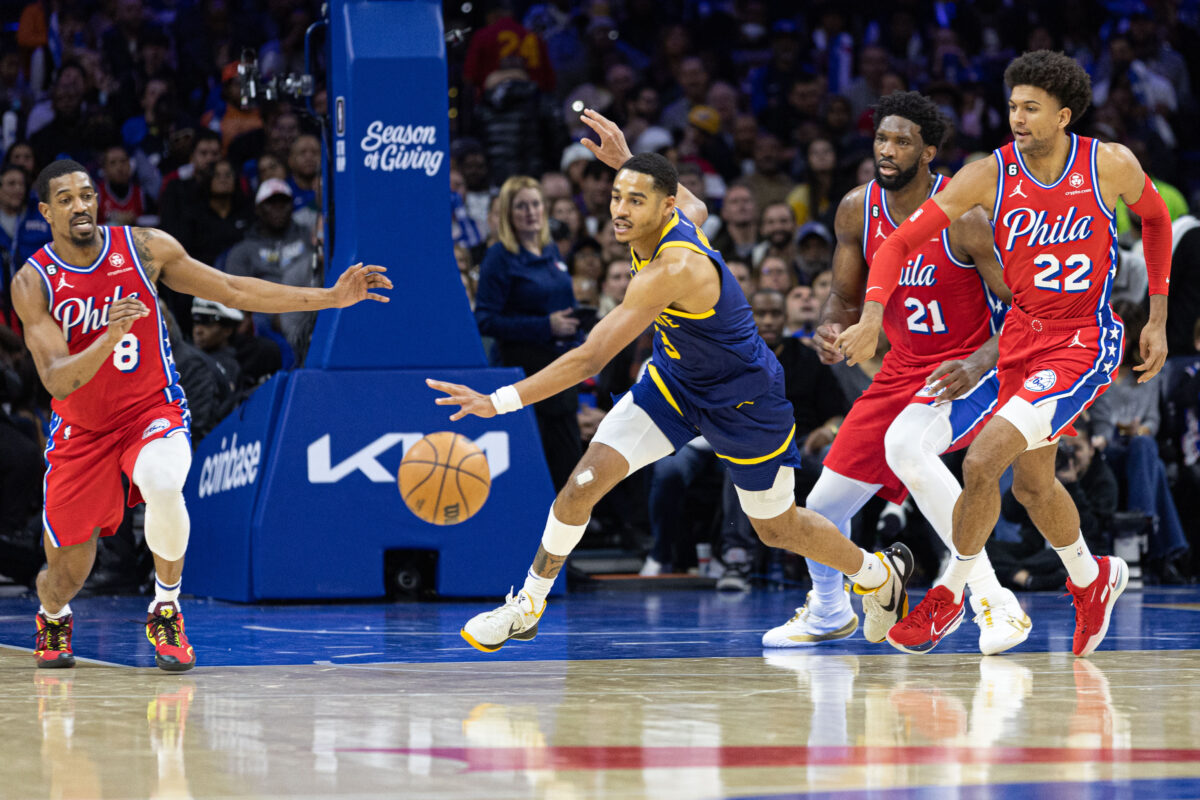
<point x="145" y="94"/>
<point x="766" y="111"/>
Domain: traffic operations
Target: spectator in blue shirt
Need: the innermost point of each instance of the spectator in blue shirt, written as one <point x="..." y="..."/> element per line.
<point x="525" y="302"/>
<point x="22" y="231"/>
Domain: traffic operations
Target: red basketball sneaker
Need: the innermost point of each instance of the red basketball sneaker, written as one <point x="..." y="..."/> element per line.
<point x="164" y="629"/>
<point x="937" y="615"/>
<point x="53" y="643"/>
<point x="1094" y="603"/>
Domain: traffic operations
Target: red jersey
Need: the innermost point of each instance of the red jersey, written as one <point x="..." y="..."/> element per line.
<point x="1058" y="242"/>
<point x="941" y="309"/>
<point x="114" y="209"/>
<point x="141" y="373"/>
<point x="503" y="38"/>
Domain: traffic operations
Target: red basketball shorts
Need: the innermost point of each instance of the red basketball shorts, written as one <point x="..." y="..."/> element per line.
<point x="858" y="450"/>
<point x="1057" y="366"/>
<point x="83" y="472"/>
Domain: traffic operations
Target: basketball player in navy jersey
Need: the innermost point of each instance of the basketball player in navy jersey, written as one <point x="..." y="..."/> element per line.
<point x="88" y="302"/>
<point x="711" y="374"/>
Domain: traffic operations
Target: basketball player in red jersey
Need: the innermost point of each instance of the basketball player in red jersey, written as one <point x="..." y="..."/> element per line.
<point x="1051" y="196"/>
<point x="88" y="302"/>
<point x="937" y="385"/>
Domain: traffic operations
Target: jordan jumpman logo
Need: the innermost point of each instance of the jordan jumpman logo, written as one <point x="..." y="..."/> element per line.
<point x="62" y="284"/>
<point x="1016" y="192"/>
<point x="1076" y="343"/>
<point x="879" y="234"/>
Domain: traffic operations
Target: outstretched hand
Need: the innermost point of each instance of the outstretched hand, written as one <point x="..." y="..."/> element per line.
<point x="355" y="285"/>
<point x="612" y="149"/>
<point x="469" y="400"/>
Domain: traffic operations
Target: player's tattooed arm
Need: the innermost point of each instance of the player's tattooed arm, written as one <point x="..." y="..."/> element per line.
<point x="141" y="242"/>
<point x="842" y="307"/>
<point x="547" y="565"/>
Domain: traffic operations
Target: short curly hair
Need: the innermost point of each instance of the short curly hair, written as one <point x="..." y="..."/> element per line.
<point x="1057" y="74"/>
<point x="917" y="109"/>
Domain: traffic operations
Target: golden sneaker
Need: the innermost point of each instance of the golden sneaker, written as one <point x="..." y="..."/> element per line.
<point x="811" y="625"/>
<point x="516" y="619"/>
<point x="887" y="604"/>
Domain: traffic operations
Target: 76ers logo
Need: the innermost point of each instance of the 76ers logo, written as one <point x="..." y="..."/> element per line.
<point x="1076" y="180"/>
<point x="117" y="260"/>
<point x="1041" y="381"/>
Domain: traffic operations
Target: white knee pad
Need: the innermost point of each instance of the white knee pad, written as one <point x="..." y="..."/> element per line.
<point x="838" y="498"/>
<point x="1034" y="422"/>
<point x="770" y="503"/>
<point x="159" y="473"/>
<point x="629" y="430"/>
<point x="918" y="435"/>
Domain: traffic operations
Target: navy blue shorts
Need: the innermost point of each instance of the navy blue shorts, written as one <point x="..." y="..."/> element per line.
<point x="755" y="439"/>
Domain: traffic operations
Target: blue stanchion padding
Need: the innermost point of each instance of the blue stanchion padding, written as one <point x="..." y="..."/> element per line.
<point x="222" y="487"/>
<point x="328" y="506"/>
<point x="390" y="195"/>
<point x="295" y="495"/>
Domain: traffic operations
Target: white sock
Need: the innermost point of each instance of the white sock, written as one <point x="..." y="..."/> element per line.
<point x="1081" y="565"/>
<point x="62" y="612"/>
<point x="164" y="593"/>
<point x="537" y="588"/>
<point x="983" y="581"/>
<point x="955" y="578"/>
<point x="872" y="573"/>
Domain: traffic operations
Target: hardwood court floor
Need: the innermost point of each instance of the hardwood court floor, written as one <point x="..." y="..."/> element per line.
<point x="659" y="695"/>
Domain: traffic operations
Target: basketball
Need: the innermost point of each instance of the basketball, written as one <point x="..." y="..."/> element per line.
<point x="444" y="478"/>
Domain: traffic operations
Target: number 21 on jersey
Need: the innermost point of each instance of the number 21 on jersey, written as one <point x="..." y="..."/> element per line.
<point x="924" y="318"/>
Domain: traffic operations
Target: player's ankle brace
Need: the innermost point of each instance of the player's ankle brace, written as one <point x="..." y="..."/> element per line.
<point x="506" y="399"/>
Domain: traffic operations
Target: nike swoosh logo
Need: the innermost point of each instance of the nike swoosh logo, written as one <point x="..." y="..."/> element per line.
<point x="937" y="632"/>
<point x="514" y="628"/>
<point x="892" y="605"/>
<point x="869" y="288"/>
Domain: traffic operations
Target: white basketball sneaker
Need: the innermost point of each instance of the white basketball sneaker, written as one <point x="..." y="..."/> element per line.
<point x="810" y="625"/>
<point x="887" y="604"/>
<point x="516" y="619"/>
<point x="1002" y="622"/>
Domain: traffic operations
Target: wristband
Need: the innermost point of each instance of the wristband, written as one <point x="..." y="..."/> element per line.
<point x="506" y="399"/>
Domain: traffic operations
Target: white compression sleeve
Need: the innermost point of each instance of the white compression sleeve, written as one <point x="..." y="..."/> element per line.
<point x="159" y="472"/>
<point x="913" y="445"/>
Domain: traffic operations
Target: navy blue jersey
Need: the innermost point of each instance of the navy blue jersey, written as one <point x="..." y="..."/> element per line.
<point x="715" y="358"/>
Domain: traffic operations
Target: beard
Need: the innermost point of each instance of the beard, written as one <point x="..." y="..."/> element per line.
<point x="899" y="180"/>
<point x="84" y="240"/>
<point x="780" y="239"/>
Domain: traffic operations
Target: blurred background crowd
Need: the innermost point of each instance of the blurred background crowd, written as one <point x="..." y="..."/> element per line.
<point x="765" y="108"/>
